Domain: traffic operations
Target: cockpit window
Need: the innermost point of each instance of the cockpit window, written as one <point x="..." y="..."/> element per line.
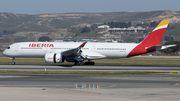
<point x="8" y="48"/>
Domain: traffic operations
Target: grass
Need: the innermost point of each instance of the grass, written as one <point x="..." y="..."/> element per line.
<point x="5" y="60"/>
<point x="124" y="61"/>
<point x="140" y="61"/>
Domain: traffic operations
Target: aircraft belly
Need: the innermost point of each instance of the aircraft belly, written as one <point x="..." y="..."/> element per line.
<point x="105" y="54"/>
<point x="116" y="54"/>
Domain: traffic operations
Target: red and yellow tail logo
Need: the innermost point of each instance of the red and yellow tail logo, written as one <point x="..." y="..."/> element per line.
<point x="153" y="39"/>
<point x="162" y="24"/>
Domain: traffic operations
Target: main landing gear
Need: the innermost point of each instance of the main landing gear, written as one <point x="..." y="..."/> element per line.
<point x="89" y="63"/>
<point x="86" y="63"/>
<point x="78" y="63"/>
<point x="13" y="63"/>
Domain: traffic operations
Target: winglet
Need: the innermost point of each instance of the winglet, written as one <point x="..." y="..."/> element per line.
<point x="83" y="44"/>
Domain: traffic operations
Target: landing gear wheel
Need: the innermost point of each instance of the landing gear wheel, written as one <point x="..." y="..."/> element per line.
<point x="86" y="63"/>
<point x="89" y="63"/>
<point x="76" y="63"/>
<point x="92" y="63"/>
<point x="13" y="63"/>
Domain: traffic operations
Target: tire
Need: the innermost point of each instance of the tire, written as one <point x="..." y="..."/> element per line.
<point x="92" y="63"/>
<point x="86" y="63"/>
<point x="13" y="63"/>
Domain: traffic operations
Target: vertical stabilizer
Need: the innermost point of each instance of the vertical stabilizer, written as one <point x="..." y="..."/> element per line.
<point x="153" y="39"/>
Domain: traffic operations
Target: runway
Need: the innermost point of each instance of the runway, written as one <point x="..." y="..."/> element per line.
<point x="45" y="87"/>
<point x="87" y="68"/>
<point x="106" y="81"/>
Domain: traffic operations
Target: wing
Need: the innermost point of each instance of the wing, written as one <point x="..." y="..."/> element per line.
<point x="75" y="52"/>
<point x="79" y="55"/>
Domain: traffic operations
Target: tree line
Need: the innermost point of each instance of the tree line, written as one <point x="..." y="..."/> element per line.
<point x="7" y="32"/>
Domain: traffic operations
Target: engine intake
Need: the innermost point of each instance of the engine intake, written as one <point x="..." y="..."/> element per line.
<point x="53" y="58"/>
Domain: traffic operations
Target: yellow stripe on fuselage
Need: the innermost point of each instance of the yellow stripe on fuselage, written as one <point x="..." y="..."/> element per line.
<point x="163" y="22"/>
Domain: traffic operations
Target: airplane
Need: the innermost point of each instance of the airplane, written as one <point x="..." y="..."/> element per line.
<point x="58" y="52"/>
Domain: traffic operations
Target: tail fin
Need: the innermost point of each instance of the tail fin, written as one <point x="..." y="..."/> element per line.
<point x="154" y="38"/>
<point x="150" y="43"/>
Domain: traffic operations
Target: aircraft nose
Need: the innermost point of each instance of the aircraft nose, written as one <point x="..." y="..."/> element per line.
<point x="4" y="52"/>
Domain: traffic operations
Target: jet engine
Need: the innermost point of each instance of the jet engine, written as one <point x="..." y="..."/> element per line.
<point x="53" y="58"/>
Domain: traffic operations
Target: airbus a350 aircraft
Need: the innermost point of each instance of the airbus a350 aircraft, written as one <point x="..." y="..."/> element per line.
<point x="55" y="52"/>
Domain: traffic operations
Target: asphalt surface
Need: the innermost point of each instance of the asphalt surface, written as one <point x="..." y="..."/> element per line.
<point x="85" y="68"/>
<point x="45" y="87"/>
<point x="68" y="81"/>
<point x="106" y="81"/>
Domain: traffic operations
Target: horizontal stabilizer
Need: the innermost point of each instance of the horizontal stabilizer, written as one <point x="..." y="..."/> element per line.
<point x="154" y="48"/>
<point x="158" y="48"/>
<point x="167" y="46"/>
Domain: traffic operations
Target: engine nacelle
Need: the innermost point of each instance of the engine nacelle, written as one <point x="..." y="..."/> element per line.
<point x="53" y="58"/>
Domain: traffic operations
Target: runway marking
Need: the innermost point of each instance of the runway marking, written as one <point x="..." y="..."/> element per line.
<point x="3" y="85"/>
<point x="177" y="84"/>
<point x="175" y="72"/>
<point x="112" y="85"/>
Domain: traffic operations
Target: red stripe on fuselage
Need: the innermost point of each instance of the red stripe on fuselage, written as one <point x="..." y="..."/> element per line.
<point x="154" y="38"/>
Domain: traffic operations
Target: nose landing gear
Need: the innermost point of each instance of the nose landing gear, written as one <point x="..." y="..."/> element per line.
<point x="13" y="63"/>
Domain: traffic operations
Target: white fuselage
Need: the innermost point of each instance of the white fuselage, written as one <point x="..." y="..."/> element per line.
<point x="96" y="50"/>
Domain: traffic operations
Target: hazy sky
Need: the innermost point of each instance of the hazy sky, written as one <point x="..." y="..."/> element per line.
<point x="65" y="6"/>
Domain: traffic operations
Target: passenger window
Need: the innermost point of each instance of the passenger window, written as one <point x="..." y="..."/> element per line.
<point x="8" y="48"/>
